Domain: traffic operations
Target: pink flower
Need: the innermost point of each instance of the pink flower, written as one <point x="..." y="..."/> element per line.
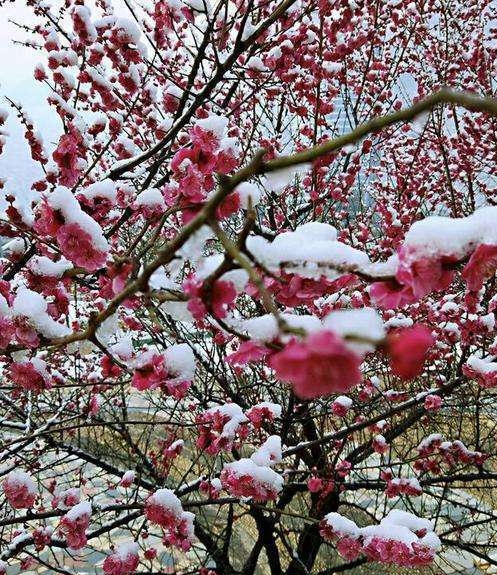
<point x="123" y="561"/>
<point x="29" y="376"/>
<point x="7" y="331"/>
<point x="66" y="156"/>
<point x="212" y="437"/>
<point x="163" y="508"/>
<point x="19" y="490"/>
<point x="207" y="141"/>
<point x="390" y="294"/>
<point x="48" y="220"/>
<point x="481" y="266"/>
<point x="247" y="352"/>
<point x="407" y="349"/>
<point x="219" y="297"/>
<point x="228" y="206"/>
<point x="127" y="479"/>
<point x="25" y="333"/>
<point x="74" y="525"/>
<point x="314" y="484"/>
<point x="260" y="414"/>
<point x="485" y="377"/>
<point x="150" y="373"/>
<point x="349" y="548"/>
<point x="423" y="274"/>
<point x="417" y="276"/>
<point x="403" y="486"/>
<point x="67" y="498"/>
<point x="294" y="290"/>
<point x="78" y="246"/>
<point x="380" y="444"/>
<point x="243" y="478"/>
<point x="318" y="365"/>
<point x="341" y="406"/>
<point x="343" y="468"/>
<point x="433" y="402"/>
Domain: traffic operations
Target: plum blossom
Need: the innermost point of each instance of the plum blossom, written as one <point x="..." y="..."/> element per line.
<point x="403" y="486"/>
<point x="247" y="352"/>
<point x="123" y="561"/>
<point x="481" y="265"/>
<point x="74" y="525"/>
<point x="78" y="246"/>
<point x="220" y="426"/>
<point x="163" y="508"/>
<point x="318" y="365"/>
<point x="19" y="489"/>
<point x="30" y="375"/>
<point x="483" y="370"/>
<point x="432" y="402"/>
<point x="407" y="349"/>
<point x="400" y="538"/>
<point x="417" y="275"/>
<point x="218" y="298"/>
<point x="67" y="156"/>
<point x="264" y="412"/>
<point x="171" y="371"/>
<point x="244" y="478"/>
<point x="341" y="405"/>
<point x="127" y="479"/>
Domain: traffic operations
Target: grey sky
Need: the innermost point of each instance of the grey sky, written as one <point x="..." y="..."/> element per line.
<point x="17" y="82"/>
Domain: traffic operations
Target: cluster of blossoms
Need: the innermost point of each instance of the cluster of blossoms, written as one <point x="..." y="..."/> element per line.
<point x="26" y="318"/>
<point x="483" y="370"/>
<point x="123" y="561"/>
<point x="74" y="525"/>
<point x="200" y="270"/>
<point x="328" y="360"/>
<point x="163" y="508"/>
<point x="67" y="498"/>
<point x="400" y="538"/>
<point x="193" y="167"/>
<point x="430" y="251"/>
<point x="79" y="236"/>
<point x="171" y="371"/>
<point x="219" y="427"/>
<point x="434" y="451"/>
<point x="402" y="486"/>
<point x="30" y="375"/>
<point x="253" y="478"/>
<point x="20" y="490"/>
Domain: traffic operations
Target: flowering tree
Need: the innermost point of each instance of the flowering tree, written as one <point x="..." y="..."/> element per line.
<point x="248" y="313"/>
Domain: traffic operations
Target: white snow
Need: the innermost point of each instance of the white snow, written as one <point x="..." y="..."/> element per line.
<point x="181" y="361"/>
<point x="44" y="266"/>
<point x="279" y="179"/>
<point x="105" y="189"/>
<point x="248" y="193"/>
<point x="269" y="453"/>
<point x="440" y="235"/>
<point x="152" y="197"/>
<point x="235" y="414"/>
<point x="79" y="510"/>
<point x="215" y="124"/>
<point x="22" y="479"/>
<point x="310" y="251"/>
<point x="32" y="306"/>
<point x="365" y="324"/>
<point x="262" y="474"/>
<point x="344" y="400"/>
<point x="62" y="199"/>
